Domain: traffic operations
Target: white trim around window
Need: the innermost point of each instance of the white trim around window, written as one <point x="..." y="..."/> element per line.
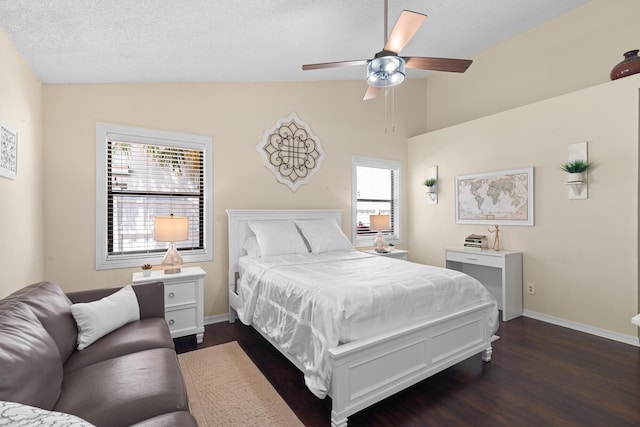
<point x="106" y="132"/>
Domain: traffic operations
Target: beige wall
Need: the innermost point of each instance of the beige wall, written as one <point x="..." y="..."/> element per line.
<point x="573" y="51"/>
<point x="236" y="116"/>
<point x="21" y="209"/>
<point x="581" y="254"/>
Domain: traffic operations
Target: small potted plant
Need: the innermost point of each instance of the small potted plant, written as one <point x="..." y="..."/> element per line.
<point x="146" y="270"/>
<point x="430" y="183"/>
<point x="576" y="170"/>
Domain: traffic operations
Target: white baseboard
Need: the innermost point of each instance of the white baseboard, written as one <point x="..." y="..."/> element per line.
<point x="604" y="333"/>
<point x="217" y="318"/>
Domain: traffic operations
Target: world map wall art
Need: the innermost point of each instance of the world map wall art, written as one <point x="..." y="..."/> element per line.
<point x="291" y="151"/>
<point x="500" y="198"/>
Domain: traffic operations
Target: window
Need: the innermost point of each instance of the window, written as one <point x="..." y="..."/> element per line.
<point x="375" y="190"/>
<point x="144" y="173"/>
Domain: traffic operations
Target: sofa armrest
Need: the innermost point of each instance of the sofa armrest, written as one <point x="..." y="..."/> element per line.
<point x="150" y="297"/>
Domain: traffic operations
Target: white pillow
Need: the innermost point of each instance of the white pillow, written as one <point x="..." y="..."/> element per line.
<point x="251" y="247"/>
<point x="96" y="319"/>
<point x="324" y="235"/>
<point x="278" y="238"/>
<point x="20" y="415"/>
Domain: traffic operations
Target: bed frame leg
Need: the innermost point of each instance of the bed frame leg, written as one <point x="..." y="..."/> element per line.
<point x="232" y="315"/>
<point x="486" y="354"/>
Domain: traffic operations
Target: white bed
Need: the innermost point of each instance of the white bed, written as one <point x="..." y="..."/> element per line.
<point x="350" y="354"/>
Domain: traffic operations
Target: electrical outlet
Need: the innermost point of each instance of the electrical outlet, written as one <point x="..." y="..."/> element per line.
<point x="531" y="288"/>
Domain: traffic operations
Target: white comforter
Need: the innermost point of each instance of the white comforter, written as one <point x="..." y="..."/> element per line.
<point x="311" y="303"/>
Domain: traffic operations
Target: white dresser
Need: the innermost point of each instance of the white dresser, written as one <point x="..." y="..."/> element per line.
<point x="183" y="300"/>
<point x="499" y="271"/>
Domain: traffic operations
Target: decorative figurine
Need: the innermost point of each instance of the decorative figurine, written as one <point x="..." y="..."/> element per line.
<point x="496" y="241"/>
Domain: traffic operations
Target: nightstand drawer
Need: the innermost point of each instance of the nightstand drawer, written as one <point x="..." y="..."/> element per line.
<point x="475" y="258"/>
<point x="181" y="320"/>
<point x="180" y="293"/>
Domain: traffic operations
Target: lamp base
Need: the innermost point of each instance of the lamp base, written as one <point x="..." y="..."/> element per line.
<point x="379" y="244"/>
<point x="172" y="261"/>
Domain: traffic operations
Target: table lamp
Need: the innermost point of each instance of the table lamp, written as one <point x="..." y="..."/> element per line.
<point x="379" y="223"/>
<point x="171" y="229"/>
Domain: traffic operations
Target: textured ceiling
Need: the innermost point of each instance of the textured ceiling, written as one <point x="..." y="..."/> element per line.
<point x="127" y="41"/>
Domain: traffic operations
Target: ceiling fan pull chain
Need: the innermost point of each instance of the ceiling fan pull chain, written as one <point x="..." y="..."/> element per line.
<point x="393" y="109"/>
<point x="385" y="110"/>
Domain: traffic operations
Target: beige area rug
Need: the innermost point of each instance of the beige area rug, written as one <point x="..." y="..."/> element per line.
<point x="225" y="388"/>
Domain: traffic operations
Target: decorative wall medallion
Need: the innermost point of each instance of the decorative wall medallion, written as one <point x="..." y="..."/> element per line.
<point x="291" y="151"/>
<point x="8" y="152"/>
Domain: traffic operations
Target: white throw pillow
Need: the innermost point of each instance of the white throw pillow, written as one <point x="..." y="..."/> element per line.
<point x="19" y="415"/>
<point x="324" y="235"/>
<point x="96" y="319"/>
<point x="278" y="238"/>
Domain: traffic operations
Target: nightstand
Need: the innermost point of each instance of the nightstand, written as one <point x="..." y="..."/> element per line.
<point x="183" y="300"/>
<point x="395" y="253"/>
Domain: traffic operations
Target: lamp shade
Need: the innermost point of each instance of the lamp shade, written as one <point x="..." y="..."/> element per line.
<point x="171" y="228"/>
<point x="379" y="222"/>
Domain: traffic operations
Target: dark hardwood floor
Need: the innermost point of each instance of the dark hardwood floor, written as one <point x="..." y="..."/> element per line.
<point x="540" y="375"/>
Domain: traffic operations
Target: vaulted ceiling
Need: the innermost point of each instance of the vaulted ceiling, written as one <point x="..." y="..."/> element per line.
<point x="128" y="41"/>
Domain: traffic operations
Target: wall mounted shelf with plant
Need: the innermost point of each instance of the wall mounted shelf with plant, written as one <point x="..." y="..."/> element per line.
<point x="576" y="168"/>
<point x="431" y="184"/>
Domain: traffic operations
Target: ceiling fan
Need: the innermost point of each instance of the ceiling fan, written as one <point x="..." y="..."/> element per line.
<point x="387" y="68"/>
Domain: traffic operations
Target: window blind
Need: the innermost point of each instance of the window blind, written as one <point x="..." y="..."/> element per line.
<point x="145" y="180"/>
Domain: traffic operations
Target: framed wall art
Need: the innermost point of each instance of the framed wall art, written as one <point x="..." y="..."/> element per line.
<point x="499" y="198"/>
<point x="8" y="152"/>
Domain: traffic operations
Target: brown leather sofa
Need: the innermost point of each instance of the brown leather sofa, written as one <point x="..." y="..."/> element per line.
<point x="128" y="377"/>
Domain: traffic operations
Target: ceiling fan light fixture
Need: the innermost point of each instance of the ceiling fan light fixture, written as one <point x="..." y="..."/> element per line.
<point x="385" y="71"/>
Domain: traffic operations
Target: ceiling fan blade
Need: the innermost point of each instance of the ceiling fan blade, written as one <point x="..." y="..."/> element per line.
<point x="404" y="30"/>
<point x="335" y="64"/>
<point x="371" y="93"/>
<point x="438" y="64"/>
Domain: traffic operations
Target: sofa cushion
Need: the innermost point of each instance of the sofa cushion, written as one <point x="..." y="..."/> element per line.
<point x="172" y="419"/>
<point x="125" y="390"/>
<point x="96" y="319"/>
<point x="30" y="365"/>
<point x="53" y="308"/>
<point x="137" y="336"/>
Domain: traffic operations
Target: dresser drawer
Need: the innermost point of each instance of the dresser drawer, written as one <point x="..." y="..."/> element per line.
<point x="475" y="258"/>
<point x="180" y="293"/>
<point x="181" y="320"/>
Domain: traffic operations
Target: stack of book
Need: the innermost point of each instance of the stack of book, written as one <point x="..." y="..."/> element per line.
<point x="476" y="241"/>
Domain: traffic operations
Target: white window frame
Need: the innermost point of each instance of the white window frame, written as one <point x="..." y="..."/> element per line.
<point x="360" y="241"/>
<point x="104" y="131"/>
